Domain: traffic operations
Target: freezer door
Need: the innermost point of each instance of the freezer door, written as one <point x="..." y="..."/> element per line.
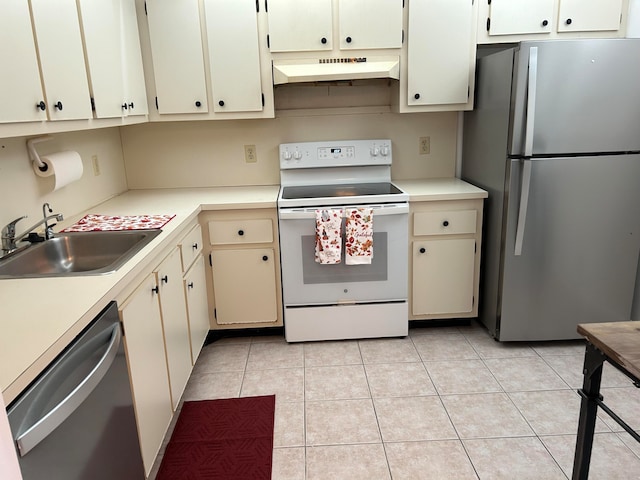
<point x="586" y="97"/>
<point x="581" y="241"/>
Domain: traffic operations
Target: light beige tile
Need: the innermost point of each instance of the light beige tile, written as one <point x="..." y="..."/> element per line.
<point x="271" y="338"/>
<point x="524" y="374"/>
<point x="610" y="457"/>
<point x="213" y="385"/>
<point x="444" y="347"/>
<point x="569" y="347"/>
<point x="222" y="358"/>
<point x="335" y="422"/>
<point x="462" y="376"/>
<point x="317" y="354"/>
<point x="352" y="462"/>
<point x="270" y="355"/>
<point x="335" y="382"/>
<point x="434" y="330"/>
<point x="569" y="368"/>
<point x="399" y="380"/>
<point x="412" y="419"/>
<point x="625" y="402"/>
<point x="287" y="384"/>
<point x="231" y="340"/>
<point x="552" y="412"/>
<point x="485" y="415"/>
<point x="630" y="442"/>
<point x="288" y="429"/>
<point x="439" y="459"/>
<point x="487" y="347"/>
<point x="288" y="464"/>
<point x="523" y="458"/>
<point x="389" y="350"/>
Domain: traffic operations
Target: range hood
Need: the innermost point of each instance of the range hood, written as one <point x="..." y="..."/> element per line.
<point x="330" y="69"/>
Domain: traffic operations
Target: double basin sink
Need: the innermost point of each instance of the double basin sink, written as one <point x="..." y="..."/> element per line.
<point x="76" y="254"/>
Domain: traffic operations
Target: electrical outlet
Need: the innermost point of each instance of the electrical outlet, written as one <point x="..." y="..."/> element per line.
<point x="250" y="154"/>
<point x="96" y="165"/>
<point x="424" y="146"/>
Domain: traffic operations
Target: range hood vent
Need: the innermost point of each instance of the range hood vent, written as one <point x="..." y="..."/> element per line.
<point x="331" y="69"/>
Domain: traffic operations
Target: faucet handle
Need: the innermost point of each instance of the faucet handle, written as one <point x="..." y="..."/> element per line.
<point x="10" y="228"/>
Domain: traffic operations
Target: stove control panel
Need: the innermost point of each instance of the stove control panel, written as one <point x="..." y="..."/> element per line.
<point x="341" y="153"/>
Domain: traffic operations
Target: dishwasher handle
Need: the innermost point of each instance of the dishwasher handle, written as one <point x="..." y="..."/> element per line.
<point x="56" y="416"/>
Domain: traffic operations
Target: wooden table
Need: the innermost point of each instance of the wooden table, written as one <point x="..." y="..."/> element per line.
<point x="619" y="344"/>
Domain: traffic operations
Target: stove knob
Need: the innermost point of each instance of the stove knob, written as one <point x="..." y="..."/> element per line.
<point x="375" y="151"/>
<point x="384" y="150"/>
<point x="286" y="155"/>
<point x="297" y="155"/>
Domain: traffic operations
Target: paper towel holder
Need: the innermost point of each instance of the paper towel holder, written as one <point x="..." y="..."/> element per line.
<point x="33" y="154"/>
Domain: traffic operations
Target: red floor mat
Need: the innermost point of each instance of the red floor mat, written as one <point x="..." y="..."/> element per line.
<point x="221" y="439"/>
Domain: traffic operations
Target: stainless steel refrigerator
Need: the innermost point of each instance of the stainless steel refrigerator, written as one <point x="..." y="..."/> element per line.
<point x="555" y="140"/>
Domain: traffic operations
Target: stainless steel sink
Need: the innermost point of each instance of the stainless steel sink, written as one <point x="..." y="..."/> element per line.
<point x="81" y="253"/>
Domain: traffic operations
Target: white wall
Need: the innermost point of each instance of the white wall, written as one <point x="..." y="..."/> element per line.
<point x="633" y="22"/>
<point x="198" y="154"/>
<point x="23" y="193"/>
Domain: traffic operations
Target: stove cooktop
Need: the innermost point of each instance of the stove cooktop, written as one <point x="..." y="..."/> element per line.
<point x="339" y="191"/>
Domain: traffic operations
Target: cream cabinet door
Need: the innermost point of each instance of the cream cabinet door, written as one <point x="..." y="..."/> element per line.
<point x="443" y="274"/>
<point x="366" y="24"/>
<point x="20" y="87"/>
<point x="177" y="56"/>
<point x="244" y="285"/>
<point x="64" y="73"/>
<point x="232" y="35"/>
<point x="135" y="91"/>
<point x="174" y="323"/>
<point x="441" y="51"/>
<point x="510" y="17"/>
<point x="303" y="25"/>
<point x="140" y="315"/>
<point x="589" y="15"/>
<point x="197" y="306"/>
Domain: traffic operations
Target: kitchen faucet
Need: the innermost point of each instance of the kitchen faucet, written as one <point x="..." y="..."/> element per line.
<point x="10" y="239"/>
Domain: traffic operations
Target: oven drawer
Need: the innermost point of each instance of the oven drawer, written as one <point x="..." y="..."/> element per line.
<point x="226" y="232"/>
<point x="452" y="222"/>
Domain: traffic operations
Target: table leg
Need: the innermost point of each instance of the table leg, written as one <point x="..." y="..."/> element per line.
<point x="590" y="393"/>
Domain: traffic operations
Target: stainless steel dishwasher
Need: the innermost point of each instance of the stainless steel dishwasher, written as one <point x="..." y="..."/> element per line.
<point x="77" y="421"/>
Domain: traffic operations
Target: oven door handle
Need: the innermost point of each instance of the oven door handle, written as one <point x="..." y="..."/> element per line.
<point x="307" y="213"/>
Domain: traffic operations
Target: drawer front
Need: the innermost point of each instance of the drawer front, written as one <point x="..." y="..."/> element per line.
<point x="225" y="232"/>
<point x="190" y="247"/>
<point x="452" y="222"/>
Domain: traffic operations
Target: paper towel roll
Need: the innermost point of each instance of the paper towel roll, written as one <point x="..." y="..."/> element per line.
<point x="65" y="166"/>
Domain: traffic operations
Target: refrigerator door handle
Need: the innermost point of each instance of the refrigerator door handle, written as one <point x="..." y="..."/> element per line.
<point x="532" y="86"/>
<point x="524" y="202"/>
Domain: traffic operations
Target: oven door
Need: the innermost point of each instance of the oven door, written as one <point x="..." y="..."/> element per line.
<point x="305" y="282"/>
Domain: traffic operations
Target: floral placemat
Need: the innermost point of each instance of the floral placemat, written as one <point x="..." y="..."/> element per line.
<point x="93" y="223"/>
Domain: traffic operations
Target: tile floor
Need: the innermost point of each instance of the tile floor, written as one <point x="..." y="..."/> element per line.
<point x="442" y="403"/>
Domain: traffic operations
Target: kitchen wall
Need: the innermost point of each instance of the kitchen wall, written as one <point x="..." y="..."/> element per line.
<point x="23" y="193"/>
<point x="198" y="154"/>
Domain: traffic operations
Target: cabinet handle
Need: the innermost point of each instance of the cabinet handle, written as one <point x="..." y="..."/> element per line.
<point x="416" y="96"/>
<point x="124" y="106"/>
<point x="165" y="279"/>
<point x="58" y="105"/>
<point x="323" y="40"/>
<point x="445" y="223"/>
<point x="545" y="23"/>
<point x="194" y="246"/>
<point x="348" y="39"/>
<point x="265" y="258"/>
<point x="198" y="104"/>
<point x="155" y="290"/>
<point x="241" y="232"/>
<point x="42" y="106"/>
<point x="568" y="21"/>
<point x="221" y="103"/>
<point x="131" y="105"/>
<point x="190" y="284"/>
<point x="423" y="250"/>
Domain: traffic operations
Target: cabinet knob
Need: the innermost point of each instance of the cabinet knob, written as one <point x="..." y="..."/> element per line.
<point x="416" y="96"/>
<point x="545" y="23"/>
<point x="131" y="105"/>
<point x="42" y="106"/>
<point x="265" y="258"/>
<point x="198" y="103"/>
<point x="190" y="284"/>
<point x="221" y="103"/>
<point x="58" y="105"/>
<point x="124" y="106"/>
<point x="323" y="40"/>
<point x="348" y="39"/>
<point x="423" y="250"/>
<point x="445" y="223"/>
<point x="568" y="21"/>
<point x="240" y="232"/>
<point x="194" y="246"/>
<point x="165" y="279"/>
<point x="155" y="290"/>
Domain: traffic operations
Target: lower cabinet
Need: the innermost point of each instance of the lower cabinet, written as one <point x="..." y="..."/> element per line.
<point x="195" y="289"/>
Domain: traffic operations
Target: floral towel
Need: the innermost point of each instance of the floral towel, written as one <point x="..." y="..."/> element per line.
<point x="328" y="236"/>
<point x="93" y="223"/>
<point x="358" y="234"/>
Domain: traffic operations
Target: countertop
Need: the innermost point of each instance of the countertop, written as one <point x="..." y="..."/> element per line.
<point x="40" y="316"/>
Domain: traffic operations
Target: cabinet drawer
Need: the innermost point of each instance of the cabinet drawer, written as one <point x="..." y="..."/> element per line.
<point x="224" y="232"/>
<point x="444" y="223"/>
<point x="190" y="247"/>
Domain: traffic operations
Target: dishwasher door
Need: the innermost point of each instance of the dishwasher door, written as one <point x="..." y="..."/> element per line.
<point x="77" y="421"/>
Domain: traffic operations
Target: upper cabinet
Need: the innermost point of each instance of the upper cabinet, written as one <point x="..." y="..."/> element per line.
<point x="206" y="60"/>
<point x="310" y="25"/>
<point x="515" y="20"/>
